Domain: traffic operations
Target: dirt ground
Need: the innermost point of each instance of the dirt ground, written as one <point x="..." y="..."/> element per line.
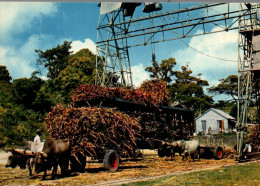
<point x="151" y="166"/>
<point x="3" y="157"/>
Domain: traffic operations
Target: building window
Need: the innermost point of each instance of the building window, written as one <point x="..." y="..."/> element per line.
<point x="203" y="122"/>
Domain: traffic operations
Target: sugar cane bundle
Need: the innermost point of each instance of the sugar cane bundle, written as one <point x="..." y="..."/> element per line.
<point x="90" y="92"/>
<point x="253" y="137"/>
<point x="93" y="130"/>
<point x="151" y="92"/>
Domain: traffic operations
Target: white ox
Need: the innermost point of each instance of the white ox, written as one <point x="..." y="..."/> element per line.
<point x="190" y="148"/>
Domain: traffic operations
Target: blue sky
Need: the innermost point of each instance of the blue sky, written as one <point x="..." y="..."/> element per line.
<point x="25" y="27"/>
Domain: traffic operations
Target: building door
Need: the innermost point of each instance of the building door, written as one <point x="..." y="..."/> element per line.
<point x="220" y="124"/>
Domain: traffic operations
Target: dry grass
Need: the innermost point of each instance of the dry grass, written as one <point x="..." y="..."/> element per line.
<point x="151" y="165"/>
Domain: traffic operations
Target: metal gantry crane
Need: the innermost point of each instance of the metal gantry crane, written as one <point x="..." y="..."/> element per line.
<point x="118" y="30"/>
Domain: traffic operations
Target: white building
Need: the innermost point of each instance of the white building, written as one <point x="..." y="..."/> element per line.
<point x="214" y="121"/>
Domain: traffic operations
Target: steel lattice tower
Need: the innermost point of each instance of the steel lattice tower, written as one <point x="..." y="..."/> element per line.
<point x="249" y="29"/>
<point x="113" y="48"/>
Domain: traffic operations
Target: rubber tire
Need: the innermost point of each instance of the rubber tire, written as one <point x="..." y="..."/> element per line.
<point x="111" y="160"/>
<point x="218" y="153"/>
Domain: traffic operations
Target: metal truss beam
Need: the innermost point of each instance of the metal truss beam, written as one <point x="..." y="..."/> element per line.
<point x="179" y="23"/>
<point x="116" y="33"/>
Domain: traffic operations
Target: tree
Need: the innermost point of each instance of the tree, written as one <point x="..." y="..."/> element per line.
<point x="164" y="71"/>
<point x="24" y="91"/>
<point x="4" y="74"/>
<point x="55" y="59"/>
<point x="188" y="90"/>
<point x="18" y="123"/>
<point x="227" y="86"/>
<point x="5" y="86"/>
<point x="80" y="70"/>
<point x="227" y="106"/>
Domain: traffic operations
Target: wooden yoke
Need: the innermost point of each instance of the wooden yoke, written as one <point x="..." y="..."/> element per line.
<point x="21" y="152"/>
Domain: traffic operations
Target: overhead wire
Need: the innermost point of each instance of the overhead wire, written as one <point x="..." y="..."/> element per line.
<point x="222" y="59"/>
<point x="207" y="54"/>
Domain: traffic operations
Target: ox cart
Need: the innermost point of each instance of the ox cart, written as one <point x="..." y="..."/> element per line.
<point x="211" y="146"/>
<point x="204" y="146"/>
<point x="112" y="145"/>
<point x="109" y="124"/>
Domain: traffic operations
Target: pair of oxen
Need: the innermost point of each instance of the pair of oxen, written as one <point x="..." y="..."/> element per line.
<point x="43" y="157"/>
<point x="186" y="148"/>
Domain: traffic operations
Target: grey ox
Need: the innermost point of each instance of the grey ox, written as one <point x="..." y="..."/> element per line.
<point x="191" y="148"/>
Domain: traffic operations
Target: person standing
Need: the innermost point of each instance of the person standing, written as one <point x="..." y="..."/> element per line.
<point x="37" y="138"/>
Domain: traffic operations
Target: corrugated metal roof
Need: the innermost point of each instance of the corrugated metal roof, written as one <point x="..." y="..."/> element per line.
<point x="220" y="112"/>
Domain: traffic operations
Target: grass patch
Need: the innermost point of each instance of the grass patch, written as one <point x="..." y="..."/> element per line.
<point x="247" y="174"/>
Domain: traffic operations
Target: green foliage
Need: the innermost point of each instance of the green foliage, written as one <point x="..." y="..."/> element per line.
<point x="80" y="70"/>
<point x="84" y="53"/>
<point x="188" y="90"/>
<point x="55" y="59"/>
<point x="226" y="86"/>
<point x="44" y="100"/>
<point x="229" y="107"/>
<point x="24" y="91"/>
<point x="5" y="93"/>
<point x="23" y="106"/>
<point x="4" y="74"/>
<point x="19" y="124"/>
<point x="164" y="71"/>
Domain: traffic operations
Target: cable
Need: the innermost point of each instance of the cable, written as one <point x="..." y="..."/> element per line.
<point x="207" y="54"/>
<point x="198" y="50"/>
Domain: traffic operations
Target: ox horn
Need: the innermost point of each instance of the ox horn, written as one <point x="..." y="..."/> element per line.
<point x="17" y="151"/>
<point x="13" y="151"/>
<point x="9" y="150"/>
<point x="44" y="154"/>
<point x="28" y="153"/>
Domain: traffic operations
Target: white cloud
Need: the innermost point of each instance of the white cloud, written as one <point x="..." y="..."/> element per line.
<point x="220" y="9"/>
<point x="17" y="67"/>
<point x="17" y="53"/>
<point x="16" y="16"/>
<point x="139" y="74"/>
<point x="21" y="61"/>
<point x="222" y="45"/>
<point x="78" y="45"/>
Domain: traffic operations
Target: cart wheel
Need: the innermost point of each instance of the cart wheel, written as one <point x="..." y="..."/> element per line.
<point x="218" y="153"/>
<point x="111" y="160"/>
